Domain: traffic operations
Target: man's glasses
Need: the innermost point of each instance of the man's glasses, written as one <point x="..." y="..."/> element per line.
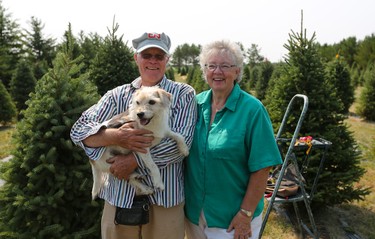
<point x="148" y="56"/>
<point x="223" y="67"/>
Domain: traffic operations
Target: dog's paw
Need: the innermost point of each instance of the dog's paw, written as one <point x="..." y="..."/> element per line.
<point x="159" y="186"/>
<point x="139" y="176"/>
<point x="144" y="190"/>
<point x="184" y="150"/>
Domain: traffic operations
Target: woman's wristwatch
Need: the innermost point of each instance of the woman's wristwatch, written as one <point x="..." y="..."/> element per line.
<point x="246" y="212"/>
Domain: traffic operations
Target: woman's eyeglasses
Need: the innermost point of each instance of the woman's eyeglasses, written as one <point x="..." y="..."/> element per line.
<point x="148" y="56"/>
<point x="223" y="67"/>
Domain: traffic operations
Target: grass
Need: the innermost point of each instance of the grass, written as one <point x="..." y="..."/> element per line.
<point x="6" y="133"/>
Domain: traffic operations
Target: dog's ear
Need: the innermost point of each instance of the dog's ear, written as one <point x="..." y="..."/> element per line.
<point x="166" y="97"/>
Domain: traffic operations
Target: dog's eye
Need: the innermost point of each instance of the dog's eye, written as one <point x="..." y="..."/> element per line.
<point x="152" y="102"/>
<point x="137" y="102"/>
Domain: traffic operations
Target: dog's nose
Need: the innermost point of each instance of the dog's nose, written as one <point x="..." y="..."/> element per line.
<point x="140" y="115"/>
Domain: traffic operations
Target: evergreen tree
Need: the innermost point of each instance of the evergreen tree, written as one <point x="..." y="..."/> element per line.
<point x="196" y="80"/>
<point x="327" y="52"/>
<point x="186" y="55"/>
<point x="177" y="58"/>
<point x="114" y="64"/>
<point x="355" y="76"/>
<point x="47" y="193"/>
<point x="190" y="75"/>
<point x="304" y="74"/>
<point x="7" y="107"/>
<point x="266" y="69"/>
<point x="10" y="46"/>
<point x="254" y="77"/>
<point x="348" y="48"/>
<point x="41" y="50"/>
<point x="21" y="85"/>
<point x="366" y="52"/>
<point x="89" y="46"/>
<point x="337" y="73"/>
<point x="70" y="42"/>
<point x="245" y="82"/>
<point x="253" y="54"/>
<point x="367" y="98"/>
<point x="170" y="73"/>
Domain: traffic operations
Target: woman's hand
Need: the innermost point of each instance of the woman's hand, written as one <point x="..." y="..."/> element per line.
<point x="241" y="225"/>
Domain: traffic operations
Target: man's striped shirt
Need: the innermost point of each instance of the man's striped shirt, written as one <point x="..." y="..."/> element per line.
<point x="182" y="120"/>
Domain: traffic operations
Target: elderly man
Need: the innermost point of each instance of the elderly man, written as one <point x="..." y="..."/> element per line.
<point x="89" y="132"/>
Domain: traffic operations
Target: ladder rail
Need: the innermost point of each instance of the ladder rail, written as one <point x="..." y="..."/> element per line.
<point x="290" y="148"/>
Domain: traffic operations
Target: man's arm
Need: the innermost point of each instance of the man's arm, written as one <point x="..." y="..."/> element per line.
<point x="126" y="136"/>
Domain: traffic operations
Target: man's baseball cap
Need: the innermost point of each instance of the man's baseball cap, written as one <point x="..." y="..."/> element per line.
<point x="148" y="40"/>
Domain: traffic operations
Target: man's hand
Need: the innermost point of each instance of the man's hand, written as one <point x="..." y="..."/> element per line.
<point x="129" y="137"/>
<point x="122" y="165"/>
<point x="126" y="136"/>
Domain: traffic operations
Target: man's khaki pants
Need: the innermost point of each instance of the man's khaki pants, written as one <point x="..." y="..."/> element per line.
<point x="165" y="223"/>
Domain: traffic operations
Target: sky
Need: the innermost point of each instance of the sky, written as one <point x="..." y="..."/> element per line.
<point x="266" y="23"/>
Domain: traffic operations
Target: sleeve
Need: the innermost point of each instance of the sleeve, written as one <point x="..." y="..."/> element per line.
<point x="263" y="148"/>
<point x="91" y="121"/>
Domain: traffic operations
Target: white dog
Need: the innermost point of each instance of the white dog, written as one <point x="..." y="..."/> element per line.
<point x="150" y="110"/>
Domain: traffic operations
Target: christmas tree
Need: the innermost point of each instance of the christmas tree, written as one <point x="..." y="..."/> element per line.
<point x="304" y="73"/>
<point x="47" y="193"/>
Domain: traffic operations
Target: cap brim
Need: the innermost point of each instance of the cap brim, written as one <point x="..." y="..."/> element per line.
<point x="151" y="46"/>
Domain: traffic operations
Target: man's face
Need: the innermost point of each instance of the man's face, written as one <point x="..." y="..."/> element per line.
<point x="152" y="64"/>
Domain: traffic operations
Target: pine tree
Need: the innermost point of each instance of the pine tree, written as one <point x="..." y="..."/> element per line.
<point x="195" y="79"/>
<point x="254" y="77"/>
<point x="337" y="73"/>
<point x="304" y="74"/>
<point x="41" y="50"/>
<point x="114" y="64"/>
<point x="48" y="181"/>
<point x="21" y="85"/>
<point x="265" y="70"/>
<point x="10" y="45"/>
<point x="7" y="107"/>
<point x="367" y="98"/>
<point x="170" y="73"/>
<point x="89" y="46"/>
<point x="245" y="82"/>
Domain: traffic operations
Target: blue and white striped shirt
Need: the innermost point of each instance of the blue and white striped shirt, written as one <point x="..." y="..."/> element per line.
<point x="183" y="115"/>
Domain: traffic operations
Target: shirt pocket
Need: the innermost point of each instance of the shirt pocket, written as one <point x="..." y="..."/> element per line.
<point x="228" y="144"/>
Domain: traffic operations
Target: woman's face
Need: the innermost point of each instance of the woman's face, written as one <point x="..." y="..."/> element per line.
<point x="221" y="72"/>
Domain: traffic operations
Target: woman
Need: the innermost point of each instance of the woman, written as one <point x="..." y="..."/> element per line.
<point x="232" y="152"/>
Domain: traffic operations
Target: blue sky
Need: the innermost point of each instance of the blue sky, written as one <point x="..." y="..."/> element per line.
<point x="266" y="23"/>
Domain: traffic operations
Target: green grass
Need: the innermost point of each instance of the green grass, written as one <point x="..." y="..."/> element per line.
<point x="6" y="133"/>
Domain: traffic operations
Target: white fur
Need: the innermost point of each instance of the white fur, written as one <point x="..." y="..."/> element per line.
<point x="153" y="103"/>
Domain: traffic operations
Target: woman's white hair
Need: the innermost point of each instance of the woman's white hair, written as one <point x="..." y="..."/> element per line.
<point x="231" y="49"/>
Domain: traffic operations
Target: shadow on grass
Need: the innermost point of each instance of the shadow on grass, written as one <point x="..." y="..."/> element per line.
<point x="359" y="220"/>
<point x="6" y="127"/>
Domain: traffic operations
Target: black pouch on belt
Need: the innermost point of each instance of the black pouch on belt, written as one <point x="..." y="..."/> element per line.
<point x="138" y="214"/>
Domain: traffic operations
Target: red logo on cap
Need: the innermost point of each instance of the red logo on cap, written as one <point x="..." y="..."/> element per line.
<point x="153" y="35"/>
